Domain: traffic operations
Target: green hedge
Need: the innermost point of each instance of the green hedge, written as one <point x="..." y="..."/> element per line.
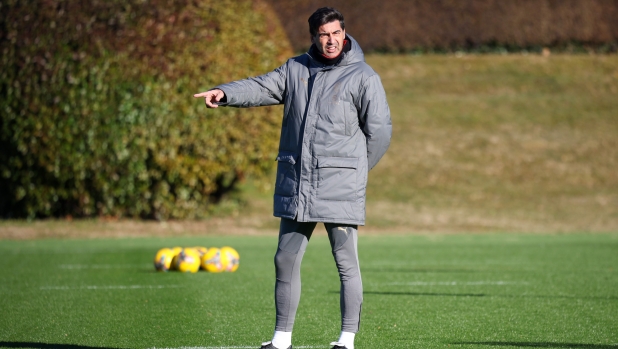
<point x="98" y="116"/>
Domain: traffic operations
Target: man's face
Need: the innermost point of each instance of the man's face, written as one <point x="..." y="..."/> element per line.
<point x="329" y="39"/>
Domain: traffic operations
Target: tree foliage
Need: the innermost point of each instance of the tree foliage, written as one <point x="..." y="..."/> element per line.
<point x="98" y="116"/>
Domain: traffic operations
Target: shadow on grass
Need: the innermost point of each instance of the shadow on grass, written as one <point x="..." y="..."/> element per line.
<point x="47" y="345"/>
<point x="423" y="294"/>
<point x="390" y="293"/>
<point x="420" y="270"/>
<point x="543" y="345"/>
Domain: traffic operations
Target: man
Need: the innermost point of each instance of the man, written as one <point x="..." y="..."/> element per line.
<point x="336" y="127"/>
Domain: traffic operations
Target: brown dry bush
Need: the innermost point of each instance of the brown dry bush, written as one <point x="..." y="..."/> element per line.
<point x="404" y="25"/>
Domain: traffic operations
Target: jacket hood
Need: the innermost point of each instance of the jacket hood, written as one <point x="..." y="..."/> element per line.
<point x="355" y="55"/>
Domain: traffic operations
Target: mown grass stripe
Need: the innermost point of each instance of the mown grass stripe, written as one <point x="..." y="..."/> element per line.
<point x="102" y="266"/>
<point x="457" y="283"/>
<point x="111" y="287"/>
<point x="243" y="347"/>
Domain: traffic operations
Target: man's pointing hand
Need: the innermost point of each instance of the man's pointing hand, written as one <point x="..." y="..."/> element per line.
<point x="211" y="97"/>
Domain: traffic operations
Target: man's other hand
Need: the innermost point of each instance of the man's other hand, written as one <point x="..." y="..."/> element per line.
<point x="211" y="97"/>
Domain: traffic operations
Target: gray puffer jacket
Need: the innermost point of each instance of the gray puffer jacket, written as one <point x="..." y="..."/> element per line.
<point x="336" y="126"/>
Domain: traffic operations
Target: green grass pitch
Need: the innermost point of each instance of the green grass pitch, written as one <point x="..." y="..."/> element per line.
<point x="444" y="291"/>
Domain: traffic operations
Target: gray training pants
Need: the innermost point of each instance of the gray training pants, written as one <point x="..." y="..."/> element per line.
<point x="293" y="239"/>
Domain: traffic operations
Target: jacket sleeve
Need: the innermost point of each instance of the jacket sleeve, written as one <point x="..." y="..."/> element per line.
<point x="375" y="119"/>
<point x="267" y="89"/>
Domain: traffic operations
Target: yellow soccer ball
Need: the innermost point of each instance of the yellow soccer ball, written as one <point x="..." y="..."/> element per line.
<point x="163" y="259"/>
<point x="175" y="252"/>
<point x="230" y="259"/>
<point x="201" y="250"/>
<point x="187" y="261"/>
<point x="211" y="261"/>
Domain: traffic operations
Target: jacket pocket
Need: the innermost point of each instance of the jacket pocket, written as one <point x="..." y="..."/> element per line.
<point x="285" y="184"/>
<point x="337" y="178"/>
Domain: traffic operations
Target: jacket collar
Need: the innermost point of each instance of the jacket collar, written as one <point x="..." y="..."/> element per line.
<point x="318" y="56"/>
<point x="351" y="53"/>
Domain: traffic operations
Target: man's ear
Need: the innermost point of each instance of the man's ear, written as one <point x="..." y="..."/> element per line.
<point x="312" y="39"/>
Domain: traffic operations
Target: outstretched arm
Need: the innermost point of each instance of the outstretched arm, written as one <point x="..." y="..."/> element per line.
<point x="211" y="97"/>
<point x="267" y="89"/>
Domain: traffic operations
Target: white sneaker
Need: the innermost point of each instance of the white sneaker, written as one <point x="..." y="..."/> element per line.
<point x="269" y="345"/>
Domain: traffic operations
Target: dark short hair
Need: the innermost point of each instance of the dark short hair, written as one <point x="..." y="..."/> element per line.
<point x="322" y="16"/>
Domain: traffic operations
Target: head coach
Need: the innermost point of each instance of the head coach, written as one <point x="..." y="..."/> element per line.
<point x="336" y="127"/>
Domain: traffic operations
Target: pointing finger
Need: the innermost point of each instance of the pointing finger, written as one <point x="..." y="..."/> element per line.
<point x="202" y="94"/>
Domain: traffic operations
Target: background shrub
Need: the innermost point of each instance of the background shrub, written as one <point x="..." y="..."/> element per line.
<point x="405" y="25"/>
<point x="98" y="116"/>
